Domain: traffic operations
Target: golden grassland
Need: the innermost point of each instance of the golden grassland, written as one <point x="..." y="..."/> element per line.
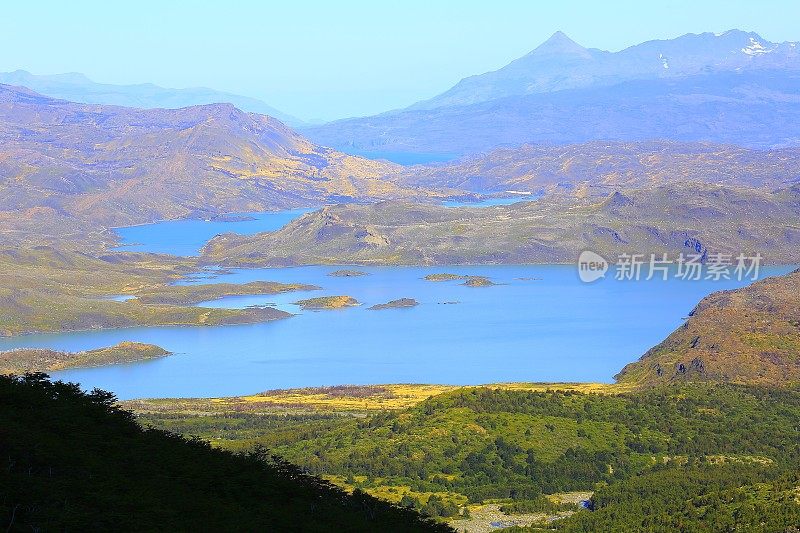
<point x="344" y="398"/>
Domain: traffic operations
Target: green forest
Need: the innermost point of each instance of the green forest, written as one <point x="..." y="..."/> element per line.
<point x="693" y="457"/>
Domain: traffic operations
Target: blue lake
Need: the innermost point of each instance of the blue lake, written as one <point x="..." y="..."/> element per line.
<point x="186" y="237"/>
<point x="492" y="201"/>
<point x="539" y="324"/>
<point x="406" y="158"/>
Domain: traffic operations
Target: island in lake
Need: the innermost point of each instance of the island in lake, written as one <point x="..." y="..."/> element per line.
<point x="327" y="302"/>
<point x="26" y="360"/>
<point x="395" y="304"/>
<point x="348" y="273"/>
<point x="469" y="281"/>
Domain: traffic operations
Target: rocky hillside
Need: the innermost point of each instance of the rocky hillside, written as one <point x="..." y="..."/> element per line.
<point x="67" y="169"/>
<point x="749" y="335"/>
<point x="554" y="229"/>
<point x="28" y="360"/>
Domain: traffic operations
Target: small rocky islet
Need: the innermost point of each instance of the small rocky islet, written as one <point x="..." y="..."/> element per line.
<point x="348" y="273"/>
<point x="400" y="303"/>
<point x="469" y="281"/>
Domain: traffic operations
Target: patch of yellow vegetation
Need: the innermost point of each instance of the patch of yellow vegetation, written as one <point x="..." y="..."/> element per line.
<point x="349" y="398"/>
<point x="739" y="459"/>
<point x="586" y="388"/>
<point x="345" y="398"/>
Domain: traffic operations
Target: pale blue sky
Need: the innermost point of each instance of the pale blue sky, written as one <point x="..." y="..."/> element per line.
<point x="333" y="59"/>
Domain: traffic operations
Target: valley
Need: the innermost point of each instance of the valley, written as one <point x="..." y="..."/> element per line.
<point x="505" y="444"/>
<point x="463" y="454"/>
<point x="429" y="319"/>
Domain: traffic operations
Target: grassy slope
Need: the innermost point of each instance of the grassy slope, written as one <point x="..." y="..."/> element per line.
<point x="112" y="475"/>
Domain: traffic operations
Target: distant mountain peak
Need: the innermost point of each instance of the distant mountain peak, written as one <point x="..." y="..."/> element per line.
<point x="559" y="44"/>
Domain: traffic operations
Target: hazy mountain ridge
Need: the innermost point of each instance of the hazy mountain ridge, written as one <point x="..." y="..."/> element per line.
<point x="734" y="87"/>
<point x="62" y="162"/>
<point x="76" y="87"/>
<point x="560" y="63"/>
<point x="756" y="109"/>
<point x="599" y="166"/>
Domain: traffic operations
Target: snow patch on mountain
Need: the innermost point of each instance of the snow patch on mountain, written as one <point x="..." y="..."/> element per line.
<point x="755" y="48"/>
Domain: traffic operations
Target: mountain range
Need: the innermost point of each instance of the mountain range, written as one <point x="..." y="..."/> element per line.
<point x="734" y="87"/>
<point x="68" y="170"/>
<point x="560" y="63"/>
<point x="76" y="87"/>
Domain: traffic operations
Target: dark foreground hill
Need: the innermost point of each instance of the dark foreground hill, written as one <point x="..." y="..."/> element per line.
<point x="75" y="462"/>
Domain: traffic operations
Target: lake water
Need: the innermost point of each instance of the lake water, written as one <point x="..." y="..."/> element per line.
<point x="540" y="323"/>
<point x="405" y="158"/>
<point x="186" y="237"/>
<point x="493" y="201"/>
